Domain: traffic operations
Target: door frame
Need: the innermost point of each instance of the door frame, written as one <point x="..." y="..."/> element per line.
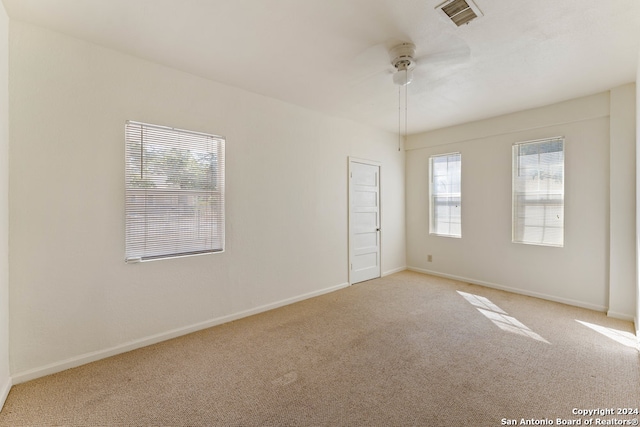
<point x="350" y="161"/>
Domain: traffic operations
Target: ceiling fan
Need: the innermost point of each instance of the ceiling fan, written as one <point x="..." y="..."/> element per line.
<point x="403" y="59"/>
<point x="416" y="71"/>
<point x="372" y="69"/>
<point x="401" y="56"/>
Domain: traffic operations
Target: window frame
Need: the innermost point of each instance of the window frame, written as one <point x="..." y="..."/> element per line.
<point x="168" y="196"/>
<point x="549" y="202"/>
<point x="432" y="203"/>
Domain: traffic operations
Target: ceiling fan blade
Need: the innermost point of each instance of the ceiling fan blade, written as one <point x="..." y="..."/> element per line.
<point x="433" y="79"/>
<point x="452" y="57"/>
<point x="372" y="61"/>
<point x="371" y="77"/>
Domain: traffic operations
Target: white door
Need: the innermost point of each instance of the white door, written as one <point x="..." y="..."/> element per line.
<point x="364" y="220"/>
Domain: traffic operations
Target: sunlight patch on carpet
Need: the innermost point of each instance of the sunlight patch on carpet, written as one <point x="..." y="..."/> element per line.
<point x="500" y="317"/>
<point x="624" y="338"/>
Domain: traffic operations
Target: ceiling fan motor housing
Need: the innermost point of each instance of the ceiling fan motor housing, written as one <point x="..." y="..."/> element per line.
<point x="402" y="56"/>
<point x="402" y="59"/>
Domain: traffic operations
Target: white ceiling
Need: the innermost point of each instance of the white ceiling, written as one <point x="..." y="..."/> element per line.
<point x="331" y="55"/>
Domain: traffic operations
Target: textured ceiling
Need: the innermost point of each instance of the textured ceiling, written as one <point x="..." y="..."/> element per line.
<point x="331" y="55"/>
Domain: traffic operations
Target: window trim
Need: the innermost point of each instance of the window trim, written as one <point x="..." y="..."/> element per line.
<point x="514" y="195"/>
<point x="217" y="206"/>
<point x="432" y="198"/>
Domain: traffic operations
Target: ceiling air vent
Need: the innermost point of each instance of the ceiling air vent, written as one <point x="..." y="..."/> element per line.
<point x="460" y="11"/>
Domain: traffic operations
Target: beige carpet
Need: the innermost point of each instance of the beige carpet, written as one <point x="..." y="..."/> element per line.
<point x="405" y="350"/>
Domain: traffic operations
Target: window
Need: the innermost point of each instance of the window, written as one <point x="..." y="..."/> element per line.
<point x="538" y="192"/>
<point x="174" y="192"/>
<point x="445" y="209"/>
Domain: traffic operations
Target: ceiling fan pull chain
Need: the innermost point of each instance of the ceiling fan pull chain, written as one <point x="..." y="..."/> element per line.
<point x="406" y="103"/>
<point x="399" y="119"/>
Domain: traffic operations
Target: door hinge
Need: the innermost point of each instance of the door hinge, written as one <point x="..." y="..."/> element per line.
<point x="352" y="266"/>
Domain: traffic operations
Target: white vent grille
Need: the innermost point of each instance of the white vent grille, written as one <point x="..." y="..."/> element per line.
<point x="460" y="12"/>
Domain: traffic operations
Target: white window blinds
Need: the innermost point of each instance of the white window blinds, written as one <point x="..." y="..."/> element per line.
<point x="174" y="192"/>
<point x="446" y="196"/>
<point x="538" y="192"/>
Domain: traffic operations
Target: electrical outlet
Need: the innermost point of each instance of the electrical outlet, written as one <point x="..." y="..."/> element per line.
<point x="429" y="258"/>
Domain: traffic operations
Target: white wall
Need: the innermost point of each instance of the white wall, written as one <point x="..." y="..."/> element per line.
<point x="576" y="274"/>
<point x="637" y="299"/>
<point x="622" y="203"/>
<point x="73" y="299"/>
<point x="5" y="378"/>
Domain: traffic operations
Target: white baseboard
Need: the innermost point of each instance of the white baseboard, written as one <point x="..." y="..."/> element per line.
<point x="620" y="316"/>
<point x="83" y="359"/>
<point x="395" y="270"/>
<point x="4" y="392"/>
<point x="540" y="295"/>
